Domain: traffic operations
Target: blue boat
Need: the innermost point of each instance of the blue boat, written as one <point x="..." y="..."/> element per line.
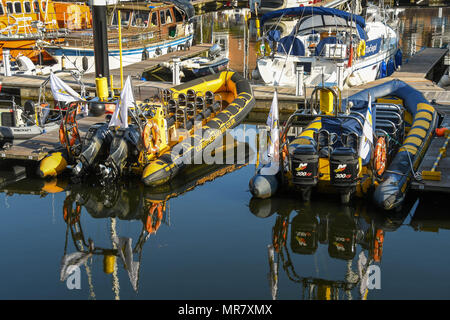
<point x="371" y="142"/>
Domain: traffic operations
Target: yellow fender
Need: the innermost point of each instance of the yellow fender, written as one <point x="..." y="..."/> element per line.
<point x="53" y="165"/>
<point x="361" y="51"/>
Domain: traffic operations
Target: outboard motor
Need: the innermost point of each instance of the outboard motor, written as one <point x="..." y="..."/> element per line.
<point x="97" y="139"/>
<point x="123" y="146"/>
<point x="344" y="167"/>
<point x="214" y="51"/>
<point x="305" y="166"/>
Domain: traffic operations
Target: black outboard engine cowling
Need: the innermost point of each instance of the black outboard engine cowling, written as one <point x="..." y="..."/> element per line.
<point x="123" y="149"/>
<point x="344" y="167"/>
<point x="95" y="145"/>
<point x="305" y="164"/>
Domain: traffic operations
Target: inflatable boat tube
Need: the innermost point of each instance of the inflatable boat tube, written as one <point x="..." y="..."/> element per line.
<point x="391" y="192"/>
<point x="234" y="89"/>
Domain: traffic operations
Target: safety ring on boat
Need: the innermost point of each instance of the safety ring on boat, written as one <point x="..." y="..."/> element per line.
<point x="380" y="156"/>
<point x="151" y="128"/>
<point x="152" y="226"/>
<point x="72" y="216"/>
<point x="72" y="132"/>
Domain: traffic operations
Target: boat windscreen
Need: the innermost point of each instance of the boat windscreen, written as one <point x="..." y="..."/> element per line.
<point x="317" y="22"/>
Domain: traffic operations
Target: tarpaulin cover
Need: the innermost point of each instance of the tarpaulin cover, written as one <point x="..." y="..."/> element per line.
<point x="291" y="45"/>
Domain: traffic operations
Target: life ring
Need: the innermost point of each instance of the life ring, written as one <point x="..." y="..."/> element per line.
<point x="72" y="133"/>
<point x="280" y="234"/>
<point x="361" y="52"/>
<point x="150" y="225"/>
<point x="378" y="245"/>
<point x="67" y="215"/>
<point x="380" y="156"/>
<point x="153" y="129"/>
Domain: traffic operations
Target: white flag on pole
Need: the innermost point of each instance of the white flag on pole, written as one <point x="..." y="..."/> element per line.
<point x="62" y="91"/>
<point x="274" y="139"/>
<point x="120" y="115"/>
<point x="367" y="137"/>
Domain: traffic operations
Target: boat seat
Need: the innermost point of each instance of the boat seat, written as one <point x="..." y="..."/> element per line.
<point x="329" y="40"/>
<point x="209" y="98"/>
<point x="389" y="127"/>
<point x="394" y="117"/>
<point x="388" y="115"/>
<point x="191" y="110"/>
<point x="292" y="46"/>
<point x="190" y="95"/>
<point x="324" y="143"/>
<point x="181" y="116"/>
<point x="182" y="99"/>
<point x="350" y="140"/>
<point x="200" y="104"/>
<point x="388" y="107"/>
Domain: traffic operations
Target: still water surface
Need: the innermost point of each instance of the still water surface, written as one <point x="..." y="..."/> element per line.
<point x="213" y="243"/>
<point x="204" y="238"/>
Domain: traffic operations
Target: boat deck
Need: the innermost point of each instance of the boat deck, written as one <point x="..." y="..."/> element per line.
<point x="37" y="148"/>
<point x="29" y="85"/>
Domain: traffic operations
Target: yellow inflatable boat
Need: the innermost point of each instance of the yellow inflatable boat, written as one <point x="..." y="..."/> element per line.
<point x="164" y="135"/>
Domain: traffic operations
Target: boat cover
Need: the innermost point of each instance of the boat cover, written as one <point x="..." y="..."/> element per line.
<point x="291" y="45"/>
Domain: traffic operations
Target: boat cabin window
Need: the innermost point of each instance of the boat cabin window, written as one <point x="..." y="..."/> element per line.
<point x="17" y="7"/>
<point x="9" y="7"/>
<point x="124" y="18"/>
<point x="27" y="7"/>
<point x="169" y="18"/>
<point x="140" y="19"/>
<point x="44" y="6"/>
<point x="178" y="15"/>
<point x="36" y="6"/>
<point x="320" y="23"/>
<point x="2" y="12"/>
<point x="154" y="19"/>
<point x="162" y="15"/>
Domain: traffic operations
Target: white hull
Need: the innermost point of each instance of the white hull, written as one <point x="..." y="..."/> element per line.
<point x="129" y="56"/>
<point x="363" y="71"/>
<point x="281" y="68"/>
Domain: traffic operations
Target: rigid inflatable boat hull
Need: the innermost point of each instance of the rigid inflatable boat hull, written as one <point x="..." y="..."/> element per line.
<point x="169" y="164"/>
<point x="390" y="192"/>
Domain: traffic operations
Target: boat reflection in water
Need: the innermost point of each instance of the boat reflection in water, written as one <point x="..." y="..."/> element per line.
<point x="124" y="200"/>
<point x="352" y="235"/>
<point x="129" y="201"/>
